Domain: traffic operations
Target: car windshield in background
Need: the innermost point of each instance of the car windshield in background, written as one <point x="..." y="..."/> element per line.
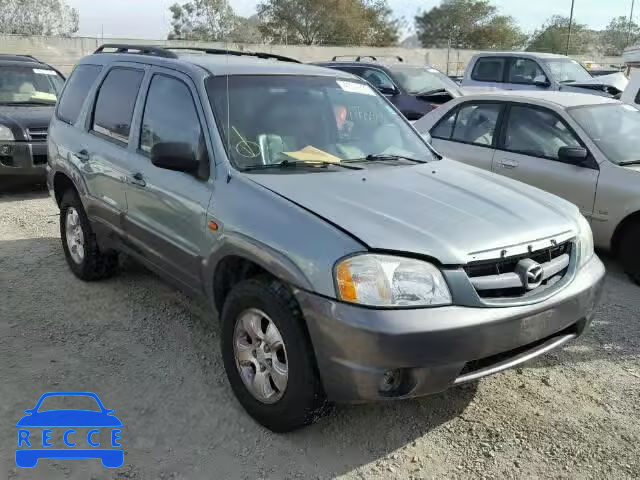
<point x="28" y="85"/>
<point x="615" y="128"/>
<point x="284" y="119"/>
<point x="417" y="80"/>
<point x="567" y="70"/>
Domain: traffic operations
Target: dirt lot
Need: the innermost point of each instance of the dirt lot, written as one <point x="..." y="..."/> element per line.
<point x="151" y="353"/>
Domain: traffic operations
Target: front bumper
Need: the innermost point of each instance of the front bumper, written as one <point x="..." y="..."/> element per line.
<point x="428" y="350"/>
<point x="23" y="158"/>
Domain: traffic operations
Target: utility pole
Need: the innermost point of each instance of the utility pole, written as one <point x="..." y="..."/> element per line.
<point x="570" y="25"/>
<point x="633" y="2"/>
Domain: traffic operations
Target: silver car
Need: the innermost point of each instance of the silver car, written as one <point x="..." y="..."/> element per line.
<point x="583" y="148"/>
<point x="347" y="261"/>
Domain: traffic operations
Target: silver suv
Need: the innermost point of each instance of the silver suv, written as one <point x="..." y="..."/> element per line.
<point x="347" y="261"/>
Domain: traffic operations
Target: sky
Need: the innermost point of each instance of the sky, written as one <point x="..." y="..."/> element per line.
<point x="150" y="19"/>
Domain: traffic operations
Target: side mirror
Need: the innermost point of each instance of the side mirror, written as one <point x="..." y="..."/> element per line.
<point x="541" y="81"/>
<point x="573" y="155"/>
<point x="175" y="156"/>
<point x="388" y="90"/>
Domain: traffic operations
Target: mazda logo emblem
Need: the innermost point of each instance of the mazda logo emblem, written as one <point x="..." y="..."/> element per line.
<point x="531" y="273"/>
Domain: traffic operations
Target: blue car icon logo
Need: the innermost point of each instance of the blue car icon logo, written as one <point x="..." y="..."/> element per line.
<point x="36" y="433"/>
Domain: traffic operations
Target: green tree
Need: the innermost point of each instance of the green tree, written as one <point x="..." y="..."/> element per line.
<point x="328" y="22"/>
<point x="552" y="37"/>
<point x="38" y="17"/>
<point x="467" y="24"/>
<point x="616" y="36"/>
<point x="208" y="20"/>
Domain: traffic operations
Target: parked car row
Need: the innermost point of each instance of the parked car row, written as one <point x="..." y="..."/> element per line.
<point x="348" y="260"/>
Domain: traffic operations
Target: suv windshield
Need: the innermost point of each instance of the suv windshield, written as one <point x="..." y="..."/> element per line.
<point x="615" y="128"/>
<point x="424" y="80"/>
<point x="271" y="119"/>
<point x="567" y="70"/>
<point x="29" y="85"/>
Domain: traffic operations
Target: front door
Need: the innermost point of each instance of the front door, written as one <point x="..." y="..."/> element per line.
<point x="529" y="153"/>
<point x="166" y="216"/>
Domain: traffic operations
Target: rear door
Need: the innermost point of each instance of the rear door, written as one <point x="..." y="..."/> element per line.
<point x="469" y="133"/>
<point x="166" y="213"/>
<point x="105" y="154"/>
<point x="528" y="151"/>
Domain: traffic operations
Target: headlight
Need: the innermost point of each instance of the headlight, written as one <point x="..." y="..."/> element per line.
<point x="6" y="134"/>
<point x="387" y="281"/>
<point x="585" y="241"/>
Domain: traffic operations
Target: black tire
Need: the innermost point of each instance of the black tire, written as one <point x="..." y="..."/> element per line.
<point x="95" y="265"/>
<point x="629" y="251"/>
<point x="303" y="401"/>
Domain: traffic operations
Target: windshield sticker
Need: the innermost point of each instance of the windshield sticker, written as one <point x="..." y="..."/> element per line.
<point x="44" y="72"/>
<point x="354" y="87"/>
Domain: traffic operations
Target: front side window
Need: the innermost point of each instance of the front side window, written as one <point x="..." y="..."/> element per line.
<point x="537" y="132"/>
<point x="475" y="124"/>
<point x="523" y="70"/>
<point x="170" y="116"/>
<point x="115" y="103"/>
<point x="489" y="69"/>
<point x="22" y="85"/>
<point x="376" y="78"/>
<point x="420" y="80"/>
<point x="565" y="70"/>
<point x="614" y="128"/>
<point x="78" y="86"/>
<point x="277" y="118"/>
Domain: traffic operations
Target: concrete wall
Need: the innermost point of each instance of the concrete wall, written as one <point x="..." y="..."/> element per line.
<point x="63" y="53"/>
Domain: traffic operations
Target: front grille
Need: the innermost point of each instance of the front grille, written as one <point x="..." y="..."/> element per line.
<point x="489" y="269"/>
<point x="37" y="134"/>
<point x="39" y="159"/>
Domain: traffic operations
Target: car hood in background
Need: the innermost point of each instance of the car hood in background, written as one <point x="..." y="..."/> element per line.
<point x="611" y="83"/>
<point x="20" y="119"/>
<point x="445" y="210"/>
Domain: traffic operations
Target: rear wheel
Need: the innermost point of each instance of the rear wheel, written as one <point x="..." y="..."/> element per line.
<point x="268" y="358"/>
<point x="629" y="251"/>
<point x="79" y="243"/>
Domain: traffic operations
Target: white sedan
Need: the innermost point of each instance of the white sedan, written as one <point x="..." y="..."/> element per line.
<point x="581" y="147"/>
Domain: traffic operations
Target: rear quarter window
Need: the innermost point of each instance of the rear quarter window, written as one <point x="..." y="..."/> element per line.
<point x="489" y="69"/>
<point x="76" y="91"/>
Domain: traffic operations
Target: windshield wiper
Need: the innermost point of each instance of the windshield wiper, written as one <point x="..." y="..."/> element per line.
<point x="294" y="164"/>
<point x="30" y="102"/>
<point x="381" y="157"/>
<point x="629" y="162"/>
<point x="568" y="81"/>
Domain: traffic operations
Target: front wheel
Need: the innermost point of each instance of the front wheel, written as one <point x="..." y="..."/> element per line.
<point x="629" y="251"/>
<point x="268" y="358"/>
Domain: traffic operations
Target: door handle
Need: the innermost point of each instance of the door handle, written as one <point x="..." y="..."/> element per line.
<point x="82" y="155"/>
<point x="508" y="163"/>
<point x="138" y="179"/>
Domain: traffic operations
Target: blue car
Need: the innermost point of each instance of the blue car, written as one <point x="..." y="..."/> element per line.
<point x="27" y="457"/>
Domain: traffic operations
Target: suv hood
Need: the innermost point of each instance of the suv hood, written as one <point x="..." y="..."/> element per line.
<point x="19" y="119"/>
<point x="613" y="84"/>
<point x="445" y="210"/>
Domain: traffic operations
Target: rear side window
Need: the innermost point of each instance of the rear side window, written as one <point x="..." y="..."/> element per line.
<point x="76" y="92"/>
<point x="170" y="116"/>
<point x="471" y="123"/>
<point x="489" y="69"/>
<point x="115" y="103"/>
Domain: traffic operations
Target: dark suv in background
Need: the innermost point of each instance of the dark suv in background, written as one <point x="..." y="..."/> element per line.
<point x="414" y="89"/>
<point x="28" y="93"/>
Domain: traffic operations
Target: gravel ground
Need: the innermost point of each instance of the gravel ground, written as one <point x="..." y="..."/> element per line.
<point x="152" y="354"/>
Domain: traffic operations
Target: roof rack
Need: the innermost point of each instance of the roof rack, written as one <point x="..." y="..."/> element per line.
<point x="221" y="51"/>
<point x="372" y="57"/>
<point x="18" y="57"/>
<point x="168" y="51"/>
<point x="136" y="49"/>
